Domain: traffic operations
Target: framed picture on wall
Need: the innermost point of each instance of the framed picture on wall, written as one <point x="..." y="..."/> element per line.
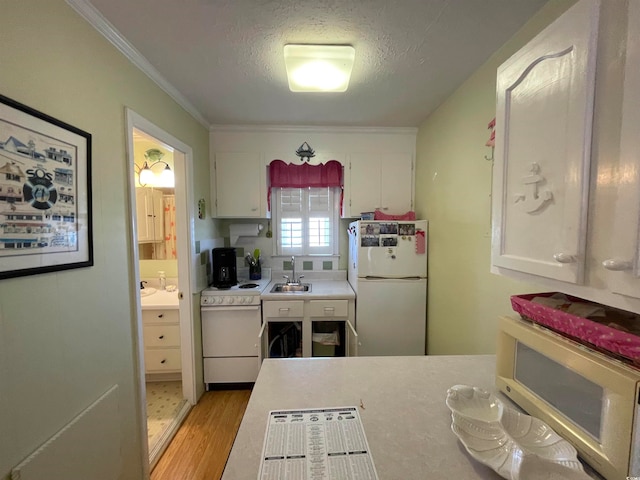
<point x="45" y="193"/>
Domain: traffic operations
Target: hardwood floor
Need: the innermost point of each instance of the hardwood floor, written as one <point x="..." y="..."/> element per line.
<point x="201" y="446"/>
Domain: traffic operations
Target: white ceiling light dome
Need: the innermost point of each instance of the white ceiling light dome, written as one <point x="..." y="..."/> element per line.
<point x="319" y="68"/>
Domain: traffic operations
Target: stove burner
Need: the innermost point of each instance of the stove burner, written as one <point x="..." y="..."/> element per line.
<point x="249" y="285"/>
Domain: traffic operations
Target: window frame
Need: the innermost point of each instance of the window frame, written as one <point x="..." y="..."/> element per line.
<point x="306" y="249"/>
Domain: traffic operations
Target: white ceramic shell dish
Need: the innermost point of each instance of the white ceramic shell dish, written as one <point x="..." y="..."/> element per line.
<point x="515" y="445"/>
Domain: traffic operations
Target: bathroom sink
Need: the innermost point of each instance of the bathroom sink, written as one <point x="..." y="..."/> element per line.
<point x="291" y="287"/>
<point x="145" y="292"/>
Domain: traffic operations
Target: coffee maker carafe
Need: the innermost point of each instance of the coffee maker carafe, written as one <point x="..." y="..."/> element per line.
<point x="224" y="267"/>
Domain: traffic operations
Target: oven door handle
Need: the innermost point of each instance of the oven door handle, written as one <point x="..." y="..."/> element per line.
<point x="222" y="308"/>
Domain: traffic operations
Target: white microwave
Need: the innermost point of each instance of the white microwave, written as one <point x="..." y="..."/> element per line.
<point x="588" y="398"/>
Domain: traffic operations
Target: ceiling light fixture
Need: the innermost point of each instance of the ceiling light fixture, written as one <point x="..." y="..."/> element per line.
<point x="318" y="68"/>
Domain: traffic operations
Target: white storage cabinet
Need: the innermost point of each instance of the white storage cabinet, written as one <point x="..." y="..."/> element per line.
<point x="238" y="185"/>
<point x="161" y="331"/>
<point x="545" y="95"/>
<point x="289" y="325"/>
<point x="623" y="260"/>
<point x="380" y="182"/>
<point x="566" y="191"/>
<point x="149" y="215"/>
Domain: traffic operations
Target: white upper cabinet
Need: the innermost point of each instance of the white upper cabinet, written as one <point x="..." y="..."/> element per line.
<point x="149" y="215"/>
<point x="545" y="97"/>
<point x="376" y="175"/>
<point x="380" y="181"/>
<point x="623" y="263"/>
<point x="239" y="185"/>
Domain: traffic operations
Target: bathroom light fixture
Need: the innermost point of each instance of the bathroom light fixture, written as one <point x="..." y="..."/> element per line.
<point x="318" y="68"/>
<point x="146" y="175"/>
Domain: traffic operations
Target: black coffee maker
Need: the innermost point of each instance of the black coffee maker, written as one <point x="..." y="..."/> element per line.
<point x="224" y="267"/>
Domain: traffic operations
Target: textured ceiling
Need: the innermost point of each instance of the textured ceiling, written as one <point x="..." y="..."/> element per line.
<point x="226" y="56"/>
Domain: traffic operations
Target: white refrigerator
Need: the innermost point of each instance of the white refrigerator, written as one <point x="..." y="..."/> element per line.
<point x="388" y="272"/>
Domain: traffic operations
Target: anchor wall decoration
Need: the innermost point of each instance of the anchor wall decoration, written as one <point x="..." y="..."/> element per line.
<point x="532" y="200"/>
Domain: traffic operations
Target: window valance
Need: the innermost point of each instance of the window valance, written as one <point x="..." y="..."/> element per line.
<point x="290" y="175"/>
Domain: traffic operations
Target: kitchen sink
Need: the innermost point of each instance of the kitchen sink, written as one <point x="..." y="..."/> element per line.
<point x="291" y="287"/>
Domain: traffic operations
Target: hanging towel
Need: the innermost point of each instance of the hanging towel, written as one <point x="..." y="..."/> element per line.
<point x="421" y="242"/>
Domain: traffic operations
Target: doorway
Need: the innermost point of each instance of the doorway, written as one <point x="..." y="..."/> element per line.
<point x="162" y="242"/>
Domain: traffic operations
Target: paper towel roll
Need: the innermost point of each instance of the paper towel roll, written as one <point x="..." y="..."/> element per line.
<point x="237" y="230"/>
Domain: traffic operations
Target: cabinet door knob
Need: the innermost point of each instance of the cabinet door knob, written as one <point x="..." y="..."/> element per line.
<point x="564" y="258"/>
<point x="617" y="265"/>
<point x="161" y="337"/>
<point x="163" y="361"/>
<point x="161" y="315"/>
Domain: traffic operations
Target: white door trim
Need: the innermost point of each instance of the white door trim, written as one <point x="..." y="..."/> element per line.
<point x="183" y="169"/>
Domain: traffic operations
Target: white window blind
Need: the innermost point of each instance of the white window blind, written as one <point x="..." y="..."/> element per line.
<point x="306" y="220"/>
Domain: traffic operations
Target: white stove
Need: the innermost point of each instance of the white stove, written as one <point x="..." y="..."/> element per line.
<point x="231" y="324"/>
<point x="246" y="292"/>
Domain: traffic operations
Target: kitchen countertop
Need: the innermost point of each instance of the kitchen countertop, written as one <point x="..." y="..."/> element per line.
<point x="405" y="418"/>
<point x="160" y="299"/>
<point x="320" y="289"/>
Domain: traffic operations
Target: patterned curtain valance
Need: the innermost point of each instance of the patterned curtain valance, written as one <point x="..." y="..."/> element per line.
<point x="290" y="175"/>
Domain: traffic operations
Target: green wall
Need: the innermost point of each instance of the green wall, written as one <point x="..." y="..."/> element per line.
<point x="453" y="191"/>
<point x="66" y="337"/>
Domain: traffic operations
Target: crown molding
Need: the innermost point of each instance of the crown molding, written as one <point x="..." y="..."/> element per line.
<point x="312" y="129"/>
<point x="87" y="11"/>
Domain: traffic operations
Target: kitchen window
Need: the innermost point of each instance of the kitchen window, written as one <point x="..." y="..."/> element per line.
<point x="306" y="220"/>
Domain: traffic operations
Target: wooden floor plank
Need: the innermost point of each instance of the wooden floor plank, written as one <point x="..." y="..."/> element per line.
<point x="201" y="446"/>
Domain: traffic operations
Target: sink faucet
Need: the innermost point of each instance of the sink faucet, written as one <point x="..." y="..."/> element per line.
<point x="293" y="280"/>
<point x="293" y="269"/>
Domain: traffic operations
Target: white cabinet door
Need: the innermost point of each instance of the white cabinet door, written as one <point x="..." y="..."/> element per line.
<point x="365" y="183"/>
<point x="543" y="145"/>
<point x="624" y="262"/>
<point x="149" y="215"/>
<point x="380" y="182"/>
<point x="238" y="185"/>
<point x="396" y="186"/>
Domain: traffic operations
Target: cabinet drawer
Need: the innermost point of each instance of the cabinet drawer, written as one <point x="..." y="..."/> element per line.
<point x="162" y="360"/>
<point x="161" y="335"/>
<point x="283" y="308"/>
<point x="231" y="369"/>
<point x="328" y="308"/>
<point x="160" y="316"/>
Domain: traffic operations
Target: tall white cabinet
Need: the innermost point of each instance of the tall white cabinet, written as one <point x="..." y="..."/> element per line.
<point x="149" y="214"/>
<point x="545" y="96"/>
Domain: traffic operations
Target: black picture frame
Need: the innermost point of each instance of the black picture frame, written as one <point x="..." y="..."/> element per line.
<point x="45" y="193"/>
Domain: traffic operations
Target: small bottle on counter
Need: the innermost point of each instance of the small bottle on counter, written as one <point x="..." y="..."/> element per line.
<point x="163" y="280"/>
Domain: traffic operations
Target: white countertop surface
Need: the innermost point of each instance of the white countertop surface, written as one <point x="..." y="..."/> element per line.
<point x="160" y="299"/>
<point x="405" y="418"/>
<point x="334" y="289"/>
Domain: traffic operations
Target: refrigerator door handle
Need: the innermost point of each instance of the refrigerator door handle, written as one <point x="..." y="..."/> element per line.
<point x="373" y="277"/>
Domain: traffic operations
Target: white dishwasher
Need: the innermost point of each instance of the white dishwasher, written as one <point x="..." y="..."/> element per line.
<point x="231" y="323"/>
